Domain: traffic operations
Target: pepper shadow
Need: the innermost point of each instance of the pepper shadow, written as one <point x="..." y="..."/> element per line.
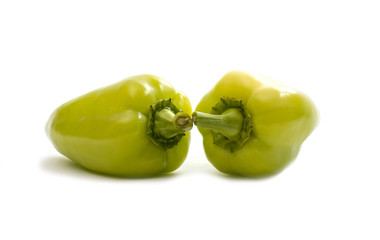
<point x="63" y="166"/>
<point x="245" y="178"/>
<point x="235" y="177"/>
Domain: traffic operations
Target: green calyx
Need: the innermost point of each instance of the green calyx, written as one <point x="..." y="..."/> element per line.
<point x="167" y="124"/>
<point x="229" y="122"/>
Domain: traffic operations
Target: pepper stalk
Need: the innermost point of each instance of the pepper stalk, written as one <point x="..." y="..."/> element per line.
<point x="167" y="124"/>
<point x="229" y="123"/>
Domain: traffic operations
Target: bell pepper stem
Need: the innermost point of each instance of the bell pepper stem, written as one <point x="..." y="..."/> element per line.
<point x="168" y="124"/>
<point x="229" y="123"/>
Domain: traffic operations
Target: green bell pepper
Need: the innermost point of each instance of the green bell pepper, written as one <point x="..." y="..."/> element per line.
<point x="252" y="125"/>
<point x="137" y="127"/>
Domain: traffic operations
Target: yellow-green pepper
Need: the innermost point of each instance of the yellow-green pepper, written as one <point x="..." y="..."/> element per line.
<point x="252" y="125"/>
<point x="137" y="127"/>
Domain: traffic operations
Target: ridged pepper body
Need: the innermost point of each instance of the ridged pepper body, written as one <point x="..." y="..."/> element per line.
<point x="106" y="130"/>
<point x="281" y="119"/>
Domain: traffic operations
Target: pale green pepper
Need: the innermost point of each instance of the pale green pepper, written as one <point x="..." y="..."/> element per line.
<point x="252" y="125"/>
<point x="136" y="128"/>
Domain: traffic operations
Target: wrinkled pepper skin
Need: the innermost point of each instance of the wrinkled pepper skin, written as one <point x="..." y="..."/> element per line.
<point x="281" y="119"/>
<point x="106" y="130"/>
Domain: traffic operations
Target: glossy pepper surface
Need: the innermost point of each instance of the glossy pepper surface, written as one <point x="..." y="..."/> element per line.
<point x="137" y="127"/>
<point x="252" y="125"/>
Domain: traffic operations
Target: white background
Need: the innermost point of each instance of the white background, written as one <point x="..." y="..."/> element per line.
<point x="52" y="51"/>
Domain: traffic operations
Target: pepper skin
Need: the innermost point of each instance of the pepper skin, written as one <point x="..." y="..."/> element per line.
<point x="134" y="128"/>
<point x="252" y="125"/>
